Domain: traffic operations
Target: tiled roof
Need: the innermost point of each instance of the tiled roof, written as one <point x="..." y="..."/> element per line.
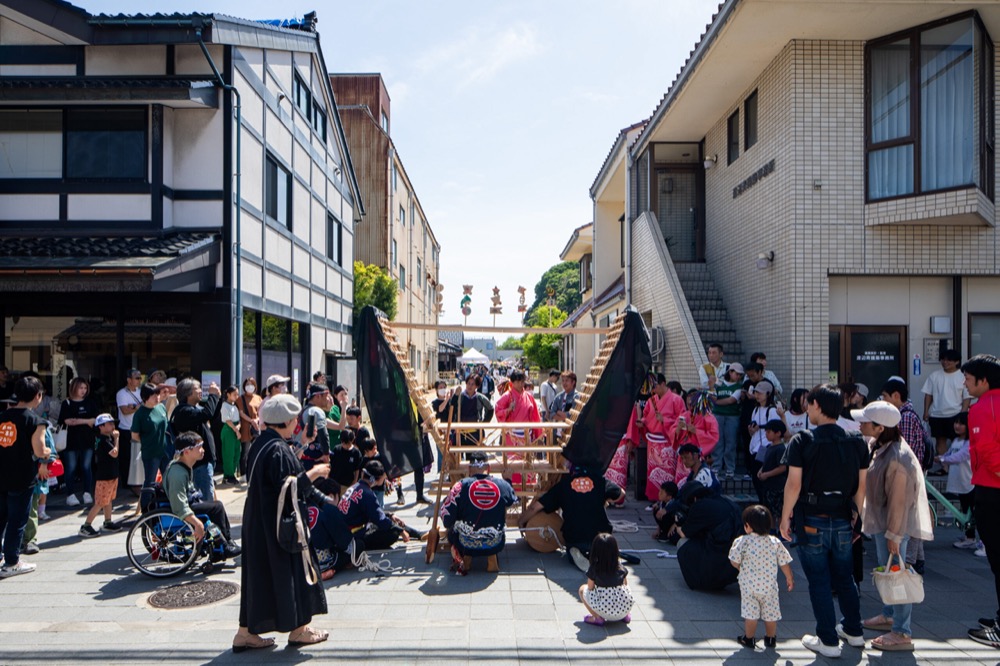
<point x="173" y="245"/>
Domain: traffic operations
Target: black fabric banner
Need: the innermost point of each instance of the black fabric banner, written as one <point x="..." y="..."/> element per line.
<point x="604" y="419"/>
<point x="383" y="385"/>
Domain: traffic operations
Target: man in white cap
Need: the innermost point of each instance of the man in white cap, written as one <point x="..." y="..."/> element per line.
<point x="275" y="385"/>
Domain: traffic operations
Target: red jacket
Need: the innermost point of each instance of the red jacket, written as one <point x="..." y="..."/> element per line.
<point x="984" y="440"/>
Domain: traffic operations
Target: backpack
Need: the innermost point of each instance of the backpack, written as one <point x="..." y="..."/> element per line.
<point x="848" y="462"/>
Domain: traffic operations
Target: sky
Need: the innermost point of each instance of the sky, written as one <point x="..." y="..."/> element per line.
<point x="503" y="112"/>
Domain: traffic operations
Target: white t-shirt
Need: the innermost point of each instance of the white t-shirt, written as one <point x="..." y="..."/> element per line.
<point x="231" y="414"/>
<point x="126" y="397"/>
<point x="948" y="391"/>
<point x="548" y="392"/>
<point x="796" y="422"/>
<point x="760" y="416"/>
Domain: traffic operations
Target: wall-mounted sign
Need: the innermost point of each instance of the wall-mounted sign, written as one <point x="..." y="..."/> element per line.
<point x="754" y="178"/>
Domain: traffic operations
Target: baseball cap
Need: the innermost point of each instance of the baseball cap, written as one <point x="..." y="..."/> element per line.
<point x="862" y="390"/>
<point x="738" y="367"/>
<point x="879" y="412"/>
<point x="102" y="419"/>
<point x="275" y="379"/>
<point x="763" y="387"/>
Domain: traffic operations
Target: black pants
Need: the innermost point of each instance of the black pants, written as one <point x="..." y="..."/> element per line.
<point x="753" y="466"/>
<point x="966" y="502"/>
<point x="382" y="538"/>
<point x="216" y="512"/>
<point x="988" y="523"/>
<point x="124" y="456"/>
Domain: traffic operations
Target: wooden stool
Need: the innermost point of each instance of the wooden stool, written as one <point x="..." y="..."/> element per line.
<point x="492" y="565"/>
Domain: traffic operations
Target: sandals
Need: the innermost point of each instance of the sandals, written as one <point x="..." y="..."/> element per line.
<point x="893" y="642"/>
<point x="251" y="642"/>
<point x="594" y="620"/>
<point x="878" y="623"/>
<point x="308" y="636"/>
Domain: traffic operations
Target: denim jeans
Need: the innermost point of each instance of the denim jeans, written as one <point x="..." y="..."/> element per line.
<point x="724" y="454"/>
<point x="150" y="467"/>
<point x="203" y="481"/>
<point x="827" y="562"/>
<point x="82" y="460"/>
<point x="899" y="613"/>
<point x="14" y="508"/>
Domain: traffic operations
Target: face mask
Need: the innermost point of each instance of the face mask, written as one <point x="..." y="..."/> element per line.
<point x="441" y="393"/>
<point x="248" y="388"/>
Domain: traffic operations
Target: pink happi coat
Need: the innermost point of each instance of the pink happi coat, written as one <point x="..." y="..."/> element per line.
<point x="514" y="407"/>
<point x="617" y="471"/>
<point x="659" y="418"/>
<point x="705" y="437"/>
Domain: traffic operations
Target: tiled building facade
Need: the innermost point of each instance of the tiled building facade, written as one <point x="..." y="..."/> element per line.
<point x="784" y="149"/>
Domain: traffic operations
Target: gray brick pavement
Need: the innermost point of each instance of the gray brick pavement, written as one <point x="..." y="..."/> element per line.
<point x="85" y="603"/>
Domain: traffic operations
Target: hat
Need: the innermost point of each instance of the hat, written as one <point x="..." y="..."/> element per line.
<point x="896" y="378"/>
<point x="738" y="367"/>
<point x="275" y="379"/>
<point x="763" y="386"/>
<point x="689" y="448"/>
<point x="102" y="419"/>
<point x="171" y="382"/>
<point x="280" y="409"/>
<point x="315" y="390"/>
<point x="879" y="412"/>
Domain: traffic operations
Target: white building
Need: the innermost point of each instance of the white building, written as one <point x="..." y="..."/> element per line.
<point x="140" y="225"/>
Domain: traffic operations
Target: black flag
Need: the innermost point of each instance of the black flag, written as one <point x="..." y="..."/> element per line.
<point x="390" y="408"/>
<point x="604" y="418"/>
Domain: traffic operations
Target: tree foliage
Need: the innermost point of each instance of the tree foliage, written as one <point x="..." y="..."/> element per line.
<point x="564" y="278"/>
<point x="542" y="349"/>
<point x="512" y="343"/>
<point x="373" y="286"/>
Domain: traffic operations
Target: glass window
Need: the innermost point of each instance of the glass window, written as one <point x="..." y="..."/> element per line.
<point x="303" y="98"/>
<point x="319" y="122"/>
<point x="392" y="257"/>
<point x="278" y="192"/>
<point x="333" y="239"/>
<point x="733" y="137"/>
<point x="274" y="346"/>
<point x="31" y="144"/>
<point x="984" y="334"/>
<point x="930" y="110"/>
<point x="402" y="216"/>
<point x="402" y="277"/>
<point x="385" y="123"/>
<point x="104" y="144"/>
<point x="249" y="344"/>
<point x="750" y="121"/>
<point x="420" y="276"/>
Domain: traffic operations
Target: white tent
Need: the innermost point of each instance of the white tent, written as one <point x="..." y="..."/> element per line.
<point x="474" y="356"/>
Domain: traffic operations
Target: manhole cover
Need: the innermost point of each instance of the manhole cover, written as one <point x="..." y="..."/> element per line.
<point x="189" y="595"/>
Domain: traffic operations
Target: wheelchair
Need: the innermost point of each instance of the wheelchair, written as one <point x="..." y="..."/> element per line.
<point x="160" y="544"/>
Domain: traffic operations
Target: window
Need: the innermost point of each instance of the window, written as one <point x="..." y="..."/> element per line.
<point x="424" y="231"/>
<point x="930" y="122"/>
<point x="750" y="121"/>
<point x="301" y="96"/>
<point x="585" y="272"/>
<point x="319" y="122"/>
<point x="402" y="277"/>
<point x="106" y="144"/>
<point x="733" y="137"/>
<point x="31" y="144"/>
<point x="395" y="177"/>
<point x="402" y="216"/>
<point x="392" y="256"/>
<point x="385" y="122"/>
<point x="420" y="274"/>
<point x="984" y="333"/>
<point x="334" y="239"/>
<point x="278" y="192"/>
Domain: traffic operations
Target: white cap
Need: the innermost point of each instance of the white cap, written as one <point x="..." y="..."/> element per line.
<point x="102" y="419"/>
<point x="880" y="412"/>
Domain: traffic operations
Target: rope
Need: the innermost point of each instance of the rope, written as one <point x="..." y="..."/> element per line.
<point x="362" y="562"/>
<point x="624" y="526"/>
<point x="659" y="553"/>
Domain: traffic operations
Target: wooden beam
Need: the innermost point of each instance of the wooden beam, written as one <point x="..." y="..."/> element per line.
<point x="497" y="329"/>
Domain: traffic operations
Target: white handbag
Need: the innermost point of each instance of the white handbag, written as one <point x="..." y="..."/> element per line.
<point x="59" y="436"/>
<point x="904" y="586"/>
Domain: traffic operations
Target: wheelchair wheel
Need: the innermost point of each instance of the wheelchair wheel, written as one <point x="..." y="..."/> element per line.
<point x="161" y="545"/>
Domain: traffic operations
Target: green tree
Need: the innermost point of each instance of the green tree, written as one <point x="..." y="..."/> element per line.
<point x="512" y="343"/>
<point x="564" y="279"/>
<point x="373" y="286"/>
<point x="542" y="349"/>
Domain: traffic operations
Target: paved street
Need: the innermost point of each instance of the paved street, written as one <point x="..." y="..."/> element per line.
<point x="86" y="603"/>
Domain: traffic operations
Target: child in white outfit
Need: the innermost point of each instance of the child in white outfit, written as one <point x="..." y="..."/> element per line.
<point x="758" y="555"/>
<point x="958" y="462"/>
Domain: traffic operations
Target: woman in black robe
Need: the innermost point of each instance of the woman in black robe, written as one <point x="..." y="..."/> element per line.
<point x="276" y="595"/>
<point x="711" y="524"/>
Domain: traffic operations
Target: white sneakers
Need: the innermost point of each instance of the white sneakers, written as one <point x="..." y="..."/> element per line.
<point x="965" y="543"/>
<point x="853" y="641"/>
<point x="981" y="550"/>
<point x="72" y="500"/>
<point x="87" y="499"/>
<point x="819" y="647"/>
<point x="21" y="567"/>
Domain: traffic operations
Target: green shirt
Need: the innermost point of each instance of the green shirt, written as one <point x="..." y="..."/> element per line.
<point x="334" y="414"/>
<point x="177" y="484"/>
<point x="724" y="390"/>
<point x="151" y="426"/>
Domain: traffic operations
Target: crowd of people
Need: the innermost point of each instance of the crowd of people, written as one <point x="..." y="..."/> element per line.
<point x="830" y="468"/>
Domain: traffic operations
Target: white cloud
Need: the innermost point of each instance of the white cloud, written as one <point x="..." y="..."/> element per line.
<point x="479" y="56"/>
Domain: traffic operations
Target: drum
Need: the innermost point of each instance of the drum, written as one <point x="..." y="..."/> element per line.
<point x="543" y="540"/>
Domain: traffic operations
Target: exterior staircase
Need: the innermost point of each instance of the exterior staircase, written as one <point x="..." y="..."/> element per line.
<point x="709" y="313"/>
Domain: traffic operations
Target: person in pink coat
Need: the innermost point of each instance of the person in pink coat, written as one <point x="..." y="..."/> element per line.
<point x="518" y="406"/>
<point x="658" y="419"/>
<point x="697" y="425"/>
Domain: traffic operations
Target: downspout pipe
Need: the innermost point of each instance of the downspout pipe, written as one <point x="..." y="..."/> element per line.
<point x="628" y="228"/>
<point x="237" y="314"/>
